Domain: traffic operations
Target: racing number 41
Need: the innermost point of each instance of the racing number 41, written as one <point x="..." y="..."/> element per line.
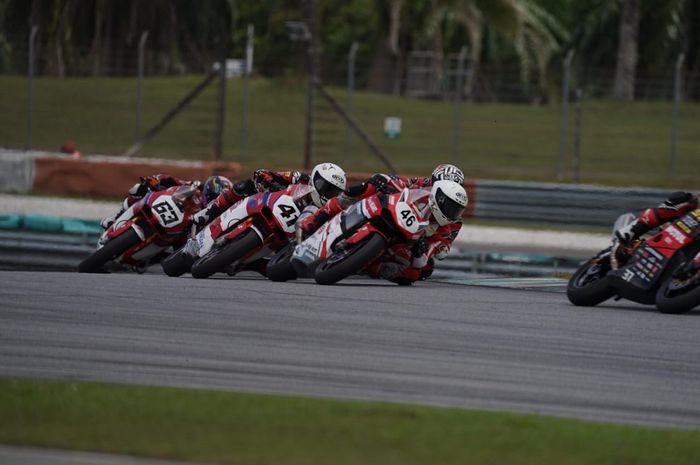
<point x="408" y="217"/>
<point x="287" y="211"/>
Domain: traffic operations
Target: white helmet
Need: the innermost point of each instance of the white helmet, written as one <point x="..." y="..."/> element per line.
<point x="327" y="180"/>
<point x="447" y="172"/>
<point x="447" y="201"/>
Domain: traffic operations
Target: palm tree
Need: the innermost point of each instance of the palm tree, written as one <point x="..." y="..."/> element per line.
<point x="534" y="33"/>
<point x="627" y="51"/>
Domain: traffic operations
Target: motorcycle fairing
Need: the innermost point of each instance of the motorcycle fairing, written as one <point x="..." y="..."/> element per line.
<point x="651" y="258"/>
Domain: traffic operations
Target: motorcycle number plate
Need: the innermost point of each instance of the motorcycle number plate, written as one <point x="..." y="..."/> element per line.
<point x="286" y="212"/>
<point x="407" y="218"/>
<point x="167" y="212"/>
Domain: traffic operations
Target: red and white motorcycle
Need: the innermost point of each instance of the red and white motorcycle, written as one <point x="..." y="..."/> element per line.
<point x="252" y="229"/>
<point x="142" y="233"/>
<point x="354" y="238"/>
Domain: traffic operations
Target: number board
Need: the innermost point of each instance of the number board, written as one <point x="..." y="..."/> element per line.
<point x="286" y="212"/>
<point x="167" y="212"/>
<point x="407" y="218"/>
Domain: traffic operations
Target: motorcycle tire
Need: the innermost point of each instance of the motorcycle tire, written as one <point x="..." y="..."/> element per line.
<point x="177" y="263"/>
<point x="280" y="268"/>
<point x="584" y="292"/>
<point x="674" y="297"/>
<point x="219" y="258"/>
<point x="344" y="263"/>
<point x="111" y="250"/>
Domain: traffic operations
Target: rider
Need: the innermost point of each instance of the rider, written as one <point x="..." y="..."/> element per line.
<point x="678" y="204"/>
<point x="262" y="180"/>
<point x="327" y="180"/>
<point x="211" y="188"/>
<point x="403" y="263"/>
<point x="378" y="182"/>
<point x="407" y="263"/>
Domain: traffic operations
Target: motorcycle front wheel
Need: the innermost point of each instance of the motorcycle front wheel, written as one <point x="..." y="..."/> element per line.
<point x="588" y="286"/>
<point x="219" y="258"/>
<point x="110" y="251"/>
<point x="349" y="261"/>
<point x="177" y="263"/>
<point x="280" y="268"/>
<point x="680" y="293"/>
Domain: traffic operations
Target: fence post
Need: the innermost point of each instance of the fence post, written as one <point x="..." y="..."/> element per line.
<point x="577" y="137"/>
<point x="677" y="96"/>
<point x="30" y="88"/>
<point x="564" y="113"/>
<point x="457" y="104"/>
<point x="348" y="106"/>
<point x="139" y="85"/>
<point x="221" y="107"/>
<point x="250" y="37"/>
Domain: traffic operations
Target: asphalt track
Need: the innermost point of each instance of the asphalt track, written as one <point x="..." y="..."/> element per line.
<point x="433" y="343"/>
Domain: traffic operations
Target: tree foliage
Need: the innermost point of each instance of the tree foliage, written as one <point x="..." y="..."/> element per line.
<point x="100" y="37"/>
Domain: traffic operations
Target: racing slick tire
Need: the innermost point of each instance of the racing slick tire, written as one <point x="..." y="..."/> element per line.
<point x="677" y="296"/>
<point x="111" y="250"/>
<point x="177" y="263"/>
<point x="346" y="262"/>
<point x="219" y="258"/>
<point x="589" y="286"/>
<point x="280" y="268"/>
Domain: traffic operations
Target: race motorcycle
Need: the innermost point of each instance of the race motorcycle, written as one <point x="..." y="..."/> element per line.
<point x="143" y="234"/>
<point x="251" y="229"/>
<point x="657" y="270"/>
<point x="354" y="238"/>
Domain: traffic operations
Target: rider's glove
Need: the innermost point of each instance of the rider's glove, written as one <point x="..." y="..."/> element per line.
<point x="419" y="252"/>
<point x="380" y="183"/>
<point x="628" y="233"/>
<point x="312" y="222"/>
<point x="138" y="190"/>
<point x="263" y="179"/>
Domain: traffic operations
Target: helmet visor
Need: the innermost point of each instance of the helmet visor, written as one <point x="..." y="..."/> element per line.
<point x="324" y="188"/>
<point x="450" y="208"/>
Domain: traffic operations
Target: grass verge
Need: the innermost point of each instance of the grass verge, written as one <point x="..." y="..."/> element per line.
<point x="622" y="143"/>
<point x="241" y="429"/>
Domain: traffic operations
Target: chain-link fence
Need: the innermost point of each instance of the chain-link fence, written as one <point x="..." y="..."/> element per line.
<point x="418" y="110"/>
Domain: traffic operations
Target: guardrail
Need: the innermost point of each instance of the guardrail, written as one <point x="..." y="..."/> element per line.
<point x="562" y="204"/>
<point x="31" y="250"/>
<point x="37" y="242"/>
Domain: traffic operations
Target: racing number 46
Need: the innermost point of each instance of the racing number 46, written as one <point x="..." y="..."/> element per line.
<point x="408" y="217"/>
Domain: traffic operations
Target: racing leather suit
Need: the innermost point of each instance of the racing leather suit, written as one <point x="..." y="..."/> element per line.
<point x="262" y="180"/>
<point x="678" y="204"/>
<point x="151" y="183"/>
<point x="402" y="263"/>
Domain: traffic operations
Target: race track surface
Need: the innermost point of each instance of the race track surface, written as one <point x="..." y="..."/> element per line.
<point x="433" y="343"/>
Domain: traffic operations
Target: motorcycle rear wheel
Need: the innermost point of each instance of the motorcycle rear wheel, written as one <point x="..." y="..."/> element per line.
<point x="177" y="263"/>
<point x="219" y="258"/>
<point x="588" y="286"/>
<point x="280" y="268"/>
<point x="344" y="263"/>
<point x="111" y="250"/>
<point x="679" y="295"/>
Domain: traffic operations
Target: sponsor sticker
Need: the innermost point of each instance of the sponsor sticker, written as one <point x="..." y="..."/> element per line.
<point x="676" y="234"/>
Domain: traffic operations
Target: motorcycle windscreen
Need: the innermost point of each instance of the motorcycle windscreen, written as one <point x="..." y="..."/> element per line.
<point x="419" y="199"/>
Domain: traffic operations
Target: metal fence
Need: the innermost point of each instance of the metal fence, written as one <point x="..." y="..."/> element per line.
<point x="491" y="123"/>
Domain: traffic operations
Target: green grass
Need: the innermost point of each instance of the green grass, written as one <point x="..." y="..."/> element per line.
<point x="622" y="143"/>
<point x="241" y="429"/>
